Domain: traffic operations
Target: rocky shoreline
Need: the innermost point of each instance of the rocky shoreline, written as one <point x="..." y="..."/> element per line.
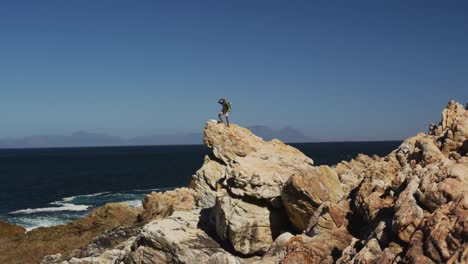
<point x="254" y="201"/>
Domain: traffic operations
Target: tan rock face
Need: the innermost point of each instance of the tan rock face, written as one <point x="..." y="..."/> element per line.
<point x="374" y="193"/>
<point x="158" y="205"/>
<point x="306" y="191"/>
<point x="246" y="226"/>
<point x="351" y="173"/>
<point x="254" y="168"/>
<point x="174" y="239"/>
<point x="446" y="230"/>
<point x="452" y="131"/>
<point x="206" y="182"/>
<point x="328" y="217"/>
<point x="228" y="143"/>
<point x="322" y="248"/>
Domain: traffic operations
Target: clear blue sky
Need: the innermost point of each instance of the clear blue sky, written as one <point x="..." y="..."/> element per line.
<point x="337" y="70"/>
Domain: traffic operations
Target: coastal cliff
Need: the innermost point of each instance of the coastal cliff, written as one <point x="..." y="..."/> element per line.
<point x="256" y="201"/>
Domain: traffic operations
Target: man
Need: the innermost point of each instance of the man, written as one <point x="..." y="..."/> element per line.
<point x="225" y="111"/>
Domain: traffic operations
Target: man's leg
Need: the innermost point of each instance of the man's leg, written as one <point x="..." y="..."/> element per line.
<point x="219" y="116"/>
<point x="227" y="118"/>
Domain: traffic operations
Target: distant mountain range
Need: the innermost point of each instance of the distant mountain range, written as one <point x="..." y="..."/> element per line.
<point x="87" y="139"/>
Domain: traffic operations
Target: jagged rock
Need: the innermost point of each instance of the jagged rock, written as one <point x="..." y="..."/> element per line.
<point x="275" y="253"/>
<point x="452" y="131"/>
<point x="322" y="248"/>
<point x="158" y="205"/>
<point x="246" y="226"/>
<point x="54" y="259"/>
<point x="112" y="215"/>
<point x="442" y="183"/>
<point x="305" y="191"/>
<point x="420" y="149"/>
<point x="371" y="249"/>
<point x="349" y="252"/>
<point x="175" y="239"/>
<point x="327" y="217"/>
<point x="228" y="143"/>
<point x="415" y="252"/>
<point x="391" y="254"/>
<point x="460" y="256"/>
<point x="205" y="182"/>
<point x="112" y="239"/>
<point x="408" y="214"/>
<point x="327" y="236"/>
<point x="374" y="194"/>
<point x="224" y="258"/>
<point x="351" y="173"/>
<point x="115" y="255"/>
<point x="278" y="244"/>
<point x="370" y="253"/>
<point x="255" y="169"/>
<point x="446" y="230"/>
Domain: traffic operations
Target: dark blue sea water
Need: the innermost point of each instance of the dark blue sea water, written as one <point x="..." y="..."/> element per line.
<point x="45" y="187"/>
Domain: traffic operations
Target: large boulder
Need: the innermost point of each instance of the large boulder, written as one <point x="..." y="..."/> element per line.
<point x="115" y="254"/>
<point x="255" y="169"/>
<point x="158" y="205"/>
<point x="306" y="191"/>
<point x="205" y="182"/>
<point x="248" y="227"/>
<point x="178" y="238"/>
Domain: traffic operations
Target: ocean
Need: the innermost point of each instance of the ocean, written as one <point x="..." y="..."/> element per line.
<point x="46" y="187"/>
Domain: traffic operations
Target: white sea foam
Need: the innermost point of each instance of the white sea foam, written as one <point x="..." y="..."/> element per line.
<point x="133" y="203"/>
<point x="62" y="207"/>
<point x="71" y="198"/>
<point x="36" y="222"/>
<point x="56" y="214"/>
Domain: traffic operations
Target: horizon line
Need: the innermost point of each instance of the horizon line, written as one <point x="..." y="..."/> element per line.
<point x="178" y="145"/>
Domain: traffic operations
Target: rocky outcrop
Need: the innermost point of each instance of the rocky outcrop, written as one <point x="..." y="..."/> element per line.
<point x="255" y="169"/>
<point x="65" y="239"/>
<point x="418" y="192"/>
<point x="175" y="239"/>
<point x="451" y="133"/>
<point x="159" y="205"/>
<point x="250" y="196"/>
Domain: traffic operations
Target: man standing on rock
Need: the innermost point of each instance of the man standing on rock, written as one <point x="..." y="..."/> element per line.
<point x="225" y="111"/>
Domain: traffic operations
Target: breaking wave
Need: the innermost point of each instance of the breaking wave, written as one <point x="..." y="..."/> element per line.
<point x="71" y="208"/>
<point x="62" y="207"/>
<point x="133" y="203"/>
<point x="71" y="198"/>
